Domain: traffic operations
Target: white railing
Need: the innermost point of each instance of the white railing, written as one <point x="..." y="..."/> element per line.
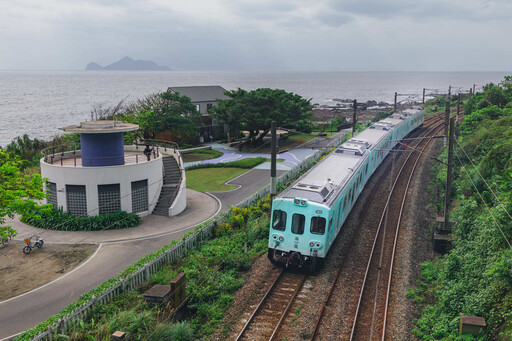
<point x="176" y="252"/>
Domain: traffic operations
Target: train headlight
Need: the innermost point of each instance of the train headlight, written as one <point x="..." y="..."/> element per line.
<point x="281" y="238"/>
<point x="300" y="202"/>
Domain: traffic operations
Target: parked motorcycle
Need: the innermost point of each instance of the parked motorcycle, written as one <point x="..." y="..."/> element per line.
<point x="37" y="243"/>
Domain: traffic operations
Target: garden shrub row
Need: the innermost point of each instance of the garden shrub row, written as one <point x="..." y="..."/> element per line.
<point x="64" y="221"/>
<point x="245" y="163"/>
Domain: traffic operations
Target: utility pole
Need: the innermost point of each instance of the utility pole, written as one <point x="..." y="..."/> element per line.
<point x="458" y="109"/>
<point x="474" y="85"/>
<point x="394" y="110"/>
<point x="449" y="175"/>
<point x="449" y="92"/>
<point x="354" y="117"/>
<point x="423" y="96"/>
<point x="446" y="122"/>
<point x="274" y="147"/>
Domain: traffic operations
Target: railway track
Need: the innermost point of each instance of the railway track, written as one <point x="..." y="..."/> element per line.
<point x="371" y="314"/>
<point x="368" y="320"/>
<point x="265" y="321"/>
<point x="370" y="317"/>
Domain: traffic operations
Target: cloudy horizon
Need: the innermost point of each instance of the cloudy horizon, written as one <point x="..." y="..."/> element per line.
<point x="249" y="35"/>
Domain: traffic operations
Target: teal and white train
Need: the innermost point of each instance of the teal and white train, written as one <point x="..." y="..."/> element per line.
<point x="308" y="215"/>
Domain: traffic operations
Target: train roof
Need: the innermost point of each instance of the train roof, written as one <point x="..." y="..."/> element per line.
<point x="319" y="184"/>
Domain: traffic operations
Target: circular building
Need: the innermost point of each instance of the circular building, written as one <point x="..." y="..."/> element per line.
<point x="103" y="175"/>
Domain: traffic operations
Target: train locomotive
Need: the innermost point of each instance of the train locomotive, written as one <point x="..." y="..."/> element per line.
<point x="308" y="215"/>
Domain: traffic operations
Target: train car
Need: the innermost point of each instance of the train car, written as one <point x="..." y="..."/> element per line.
<point x="308" y="215"/>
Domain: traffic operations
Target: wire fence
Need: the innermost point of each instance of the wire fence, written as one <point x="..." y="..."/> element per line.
<point x="176" y="252"/>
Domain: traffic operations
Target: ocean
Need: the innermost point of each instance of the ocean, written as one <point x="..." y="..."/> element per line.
<point x="38" y="103"/>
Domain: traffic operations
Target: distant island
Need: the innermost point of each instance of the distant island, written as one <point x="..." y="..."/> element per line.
<point x="128" y="64"/>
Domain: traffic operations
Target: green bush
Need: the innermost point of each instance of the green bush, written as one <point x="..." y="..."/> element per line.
<point x="245" y="163"/>
<point x="64" y="221"/>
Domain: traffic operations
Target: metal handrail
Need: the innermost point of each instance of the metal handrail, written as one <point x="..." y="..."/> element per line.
<point x="63" y="152"/>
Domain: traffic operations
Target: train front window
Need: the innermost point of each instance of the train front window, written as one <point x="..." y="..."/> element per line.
<point x="318" y="225"/>
<point x="279" y="220"/>
<point x="298" y="221"/>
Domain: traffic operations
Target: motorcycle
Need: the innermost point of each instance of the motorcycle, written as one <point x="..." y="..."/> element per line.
<point x="37" y="243"/>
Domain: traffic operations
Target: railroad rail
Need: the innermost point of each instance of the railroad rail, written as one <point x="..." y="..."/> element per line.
<point x="371" y="308"/>
<point x="265" y="321"/>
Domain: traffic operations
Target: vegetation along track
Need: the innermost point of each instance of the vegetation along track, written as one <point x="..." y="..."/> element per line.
<point x="362" y="313"/>
<point x="272" y="310"/>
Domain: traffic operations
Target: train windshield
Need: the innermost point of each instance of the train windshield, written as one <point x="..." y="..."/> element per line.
<point x="279" y="220"/>
<point x="298" y="221"/>
<point x="318" y="225"/>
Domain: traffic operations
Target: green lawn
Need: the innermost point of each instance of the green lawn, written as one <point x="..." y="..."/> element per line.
<point x="212" y="179"/>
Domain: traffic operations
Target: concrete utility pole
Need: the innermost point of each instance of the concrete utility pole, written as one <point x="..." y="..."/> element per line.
<point x="474" y="85"/>
<point x="449" y="175"/>
<point x="354" y="117"/>
<point x="449" y="92"/>
<point x="396" y="95"/>
<point x="273" y="162"/>
<point x="458" y="110"/>
<point x="423" y="96"/>
<point x="446" y="121"/>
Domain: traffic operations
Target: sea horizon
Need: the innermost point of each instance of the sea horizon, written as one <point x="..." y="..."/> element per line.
<point x="38" y="103"/>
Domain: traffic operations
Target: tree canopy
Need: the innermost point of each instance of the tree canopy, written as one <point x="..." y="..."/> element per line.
<point x="256" y="109"/>
<point x="18" y="192"/>
<point x="161" y="112"/>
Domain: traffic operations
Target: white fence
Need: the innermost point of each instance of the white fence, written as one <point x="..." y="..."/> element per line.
<point x="143" y="274"/>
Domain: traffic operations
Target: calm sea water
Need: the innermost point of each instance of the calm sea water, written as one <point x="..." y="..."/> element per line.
<point x="38" y="103"/>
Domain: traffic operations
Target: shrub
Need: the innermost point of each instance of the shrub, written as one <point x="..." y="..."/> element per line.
<point x="64" y="221"/>
<point x="245" y="163"/>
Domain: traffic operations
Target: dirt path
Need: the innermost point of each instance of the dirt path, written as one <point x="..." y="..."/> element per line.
<point x="21" y="273"/>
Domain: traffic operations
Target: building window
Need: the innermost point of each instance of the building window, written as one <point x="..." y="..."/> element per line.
<point x="109" y="198"/>
<point x="52" y="199"/>
<point x="140" y="196"/>
<point x="208" y="106"/>
<point x="76" y="199"/>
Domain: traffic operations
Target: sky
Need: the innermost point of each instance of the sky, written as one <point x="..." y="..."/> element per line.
<point x="259" y="35"/>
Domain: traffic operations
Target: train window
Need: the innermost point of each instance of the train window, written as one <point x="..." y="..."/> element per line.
<point x="318" y="225"/>
<point x="279" y="220"/>
<point x="344" y="203"/>
<point x="298" y="221"/>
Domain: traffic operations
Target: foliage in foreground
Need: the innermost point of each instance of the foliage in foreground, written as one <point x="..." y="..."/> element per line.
<point x="64" y="221"/>
<point x="18" y="193"/>
<point x="475" y="277"/>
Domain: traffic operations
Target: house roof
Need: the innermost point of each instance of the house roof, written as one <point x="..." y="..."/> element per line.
<point x="206" y="93"/>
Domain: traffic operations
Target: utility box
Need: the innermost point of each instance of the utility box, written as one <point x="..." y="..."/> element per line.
<point x="473" y="325"/>
<point x="158" y="294"/>
<point x="441" y="236"/>
<point x="178" y="293"/>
